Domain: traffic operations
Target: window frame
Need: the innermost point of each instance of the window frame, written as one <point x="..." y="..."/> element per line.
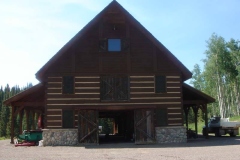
<point x="156" y="84"/>
<point x="73" y="118"/>
<point x="104" y="45"/>
<point x="119" y="45"/>
<point x="64" y="90"/>
<point x="165" y="112"/>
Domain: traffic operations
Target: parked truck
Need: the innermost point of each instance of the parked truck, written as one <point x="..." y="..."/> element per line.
<point x="222" y="126"/>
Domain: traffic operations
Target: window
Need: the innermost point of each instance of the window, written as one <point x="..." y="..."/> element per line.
<point x="114" y="88"/>
<point x="160" y="84"/>
<point x="68" y="85"/>
<point x="67" y="119"/>
<point x="161" y="117"/>
<point x="114" y="45"/>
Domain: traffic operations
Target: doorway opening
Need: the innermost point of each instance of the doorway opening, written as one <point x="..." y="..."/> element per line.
<point x="116" y="126"/>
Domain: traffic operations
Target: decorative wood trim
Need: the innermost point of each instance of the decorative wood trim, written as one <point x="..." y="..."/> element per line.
<point x="193" y="102"/>
<point x="18" y="110"/>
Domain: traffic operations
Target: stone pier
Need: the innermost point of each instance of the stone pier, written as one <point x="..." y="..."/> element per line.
<point x="176" y="134"/>
<point x="60" y="137"/>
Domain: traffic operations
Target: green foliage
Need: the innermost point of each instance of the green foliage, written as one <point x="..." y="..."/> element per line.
<point x="199" y="126"/>
<point x="5" y="111"/>
<point x="107" y="125"/>
<point x="2" y="138"/>
<point x="220" y="77"/>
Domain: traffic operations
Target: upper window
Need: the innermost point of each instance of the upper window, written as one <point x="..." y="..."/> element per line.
<point x="114" y="45"/>
<point x="114" y="88"/>
<point x="68" y="85"/>
<point x="160" y="84"/>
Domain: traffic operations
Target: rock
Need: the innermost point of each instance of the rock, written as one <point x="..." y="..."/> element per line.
<point x="62" y="137"/>
<point x="171" y="135"/>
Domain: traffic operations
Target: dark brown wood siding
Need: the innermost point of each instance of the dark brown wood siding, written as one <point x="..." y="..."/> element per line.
<point x="141" y="62"/>
<point x="87" y="93"/>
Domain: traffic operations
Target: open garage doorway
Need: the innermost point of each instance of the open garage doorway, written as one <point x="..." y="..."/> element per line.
<point x="116" y="126"/>
<point x="108" y="126"/>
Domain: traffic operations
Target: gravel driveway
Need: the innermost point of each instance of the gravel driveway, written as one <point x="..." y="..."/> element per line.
<point x="213" y="148"/>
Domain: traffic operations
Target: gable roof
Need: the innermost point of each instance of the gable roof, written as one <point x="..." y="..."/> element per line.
<point x="185" y="72"/>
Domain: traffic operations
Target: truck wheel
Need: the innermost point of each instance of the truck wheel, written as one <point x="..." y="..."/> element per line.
<point x="232" y="134"/>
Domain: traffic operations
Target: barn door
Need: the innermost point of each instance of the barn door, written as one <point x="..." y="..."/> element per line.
<point x="88" y="126"/>
<point x="144" y="126"/>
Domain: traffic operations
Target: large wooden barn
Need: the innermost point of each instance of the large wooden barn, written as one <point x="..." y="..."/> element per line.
<point x="113" y="68"/>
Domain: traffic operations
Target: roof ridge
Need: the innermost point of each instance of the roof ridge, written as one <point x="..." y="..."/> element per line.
<point x="186" y="73"/>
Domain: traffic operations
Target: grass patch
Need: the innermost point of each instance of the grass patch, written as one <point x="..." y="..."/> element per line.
<point x="3" y="138"/>
<point x="235" y="118"/>
<point x="199" y="126"/>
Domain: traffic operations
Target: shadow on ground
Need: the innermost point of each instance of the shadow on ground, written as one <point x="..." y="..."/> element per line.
<point x="198" y="142"/>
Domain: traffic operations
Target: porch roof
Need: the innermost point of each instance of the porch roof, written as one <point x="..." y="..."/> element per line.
<point x="192" y="96"/>
<point x="30" y="98"/>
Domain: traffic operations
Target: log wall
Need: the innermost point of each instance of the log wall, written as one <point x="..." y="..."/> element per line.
<point x="87" y="93"/>
<point x="141" y="62"/>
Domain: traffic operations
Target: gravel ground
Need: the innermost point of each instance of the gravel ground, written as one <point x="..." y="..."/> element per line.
<point x="200" y="149"/>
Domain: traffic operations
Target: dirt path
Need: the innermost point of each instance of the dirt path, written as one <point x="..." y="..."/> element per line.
<point x="200" y="149"/>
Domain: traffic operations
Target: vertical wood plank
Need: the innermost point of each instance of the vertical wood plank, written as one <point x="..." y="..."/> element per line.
<point x="206" y="120"/>
<point x="27" y="119"/>
<point x="154" y="59"/>
<point x="34" y="121"/>
<point x="21" y="120"/>
<point x="129" y="50"/>
<point x="73" y="60"/>
<point x="12" y="125"/>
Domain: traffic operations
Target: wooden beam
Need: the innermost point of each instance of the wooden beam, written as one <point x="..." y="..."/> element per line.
<point x="34" y="121"/>
<point x="28" y="104"/>
<point x="186" y="111"/>
<point x="195" y="110"/>
<point x="206" y="121"/>
<point x="12" y="125"/>
<point x="194" y="102"/>
<point x="27" y="119"/>
<point x="111" y="108"/>
<point x="18" y="110"/>
<point x="90" y="133"/>
<point x="20" y="121"/>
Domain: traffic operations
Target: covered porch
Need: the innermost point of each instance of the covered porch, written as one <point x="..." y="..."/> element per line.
<point x="29" y="103"/>
<point x="195" y="100"/>
<point x="32" y="102"/>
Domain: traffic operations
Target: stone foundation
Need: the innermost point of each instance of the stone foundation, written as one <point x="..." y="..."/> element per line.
<point x="176" y="134"/>
<point x="69" y="137"/>
<point x="60" y="137"/>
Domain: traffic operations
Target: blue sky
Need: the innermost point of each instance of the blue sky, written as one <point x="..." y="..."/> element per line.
<point x="31" y="32"/>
